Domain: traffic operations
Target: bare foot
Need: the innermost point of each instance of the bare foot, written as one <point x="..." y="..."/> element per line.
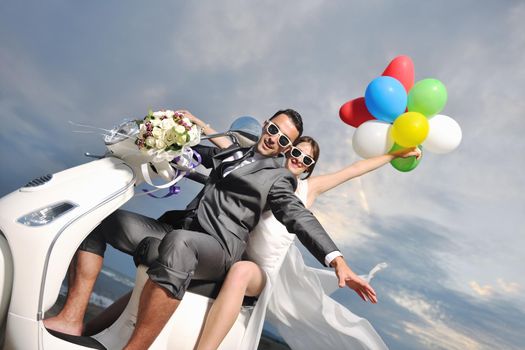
<point x="63" y="326"/>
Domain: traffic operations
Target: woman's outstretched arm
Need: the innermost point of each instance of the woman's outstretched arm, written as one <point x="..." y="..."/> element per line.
<point x="244" y="278"/>
<point x="320" y="184"/>
<point x="221" y="142"/>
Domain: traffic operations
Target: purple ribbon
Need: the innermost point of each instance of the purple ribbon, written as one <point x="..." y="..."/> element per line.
<point x="174" y="189"/>
<point x="197" y="160"/>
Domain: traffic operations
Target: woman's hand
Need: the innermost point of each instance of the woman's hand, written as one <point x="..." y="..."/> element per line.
<point x="407" y="152"/>
<point x="221" y="142"/>
<point x="192" y="118"/>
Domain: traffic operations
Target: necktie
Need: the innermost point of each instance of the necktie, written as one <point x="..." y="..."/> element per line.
<point x="226" y="165"/>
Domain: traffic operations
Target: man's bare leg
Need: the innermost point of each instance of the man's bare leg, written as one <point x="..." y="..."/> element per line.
<point x="83" y="276"/>
<point x="155" y="309"/>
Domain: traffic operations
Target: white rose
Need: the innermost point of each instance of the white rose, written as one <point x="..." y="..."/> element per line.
<point x="181" y="139"/>
<point x="168" y="123"/>
<point x="155" y="122"/>
<point x="158" y="114"/>
<point x="150" y="141"/>
<point x="169" y="113"/>
<point x="170" y="137"/>
<point x="187" y="121"/>
<point x="157" y="132"/>
<point x="179" y="129"/>
<point x="160" y="144"/>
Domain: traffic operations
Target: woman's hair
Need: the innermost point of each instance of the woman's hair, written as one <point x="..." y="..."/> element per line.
<point x="315" y="150"/>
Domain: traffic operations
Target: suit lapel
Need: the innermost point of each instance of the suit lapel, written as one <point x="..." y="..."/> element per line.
<point x="271" y="162"/>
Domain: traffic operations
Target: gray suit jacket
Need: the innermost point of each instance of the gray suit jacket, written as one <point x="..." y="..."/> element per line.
<point x="229" y="208"/>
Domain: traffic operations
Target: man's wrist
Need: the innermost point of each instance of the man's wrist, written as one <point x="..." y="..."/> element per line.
<point x="331" y="256"/>
<point x="338" y="262"/>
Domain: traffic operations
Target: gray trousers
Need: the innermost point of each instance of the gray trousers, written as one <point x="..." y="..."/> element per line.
<point x="174" y="255"/>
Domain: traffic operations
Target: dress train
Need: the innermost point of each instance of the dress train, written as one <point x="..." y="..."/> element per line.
<point x="296" y="297"/>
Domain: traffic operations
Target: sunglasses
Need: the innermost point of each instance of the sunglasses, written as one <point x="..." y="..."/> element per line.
<point x="273" y="129"/>
<point x="300" y="156"/>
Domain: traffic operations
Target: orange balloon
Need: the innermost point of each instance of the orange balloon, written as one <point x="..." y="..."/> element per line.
<point x="410" y="129"/>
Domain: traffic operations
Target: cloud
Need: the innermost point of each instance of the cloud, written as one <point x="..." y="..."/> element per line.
<point x="419" y="306"/>
<point x="433" y="332"/>
<point x="231" y="35"/>
<point x="25" y="85"/>
<point x="33" y="108"/>
<point x="450" y="230"/>
<point x="489" y="290"/>
<point x="475" y="193"/>
<point x="486" y="290"/>
<point x="509" y="287"/>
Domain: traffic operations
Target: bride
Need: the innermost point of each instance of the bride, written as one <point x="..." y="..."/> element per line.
<point x="294" y="295"/>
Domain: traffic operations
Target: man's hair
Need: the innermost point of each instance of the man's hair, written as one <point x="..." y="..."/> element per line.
<point x="294" y="116"/>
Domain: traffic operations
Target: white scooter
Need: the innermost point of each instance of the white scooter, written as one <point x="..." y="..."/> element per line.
<point x="43" y="223"/>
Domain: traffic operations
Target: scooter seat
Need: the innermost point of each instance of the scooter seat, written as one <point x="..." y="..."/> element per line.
<point x="87" y="342"/>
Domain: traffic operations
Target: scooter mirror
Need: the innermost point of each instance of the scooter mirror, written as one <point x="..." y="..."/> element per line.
<point x="248" y="125"/>
<point x="246" y="130"/>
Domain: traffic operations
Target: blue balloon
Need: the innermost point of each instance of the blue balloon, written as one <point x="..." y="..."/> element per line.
<point x="386" y="98"/>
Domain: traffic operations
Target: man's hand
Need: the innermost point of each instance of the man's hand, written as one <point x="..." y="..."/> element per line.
<point x="347" y="277"/>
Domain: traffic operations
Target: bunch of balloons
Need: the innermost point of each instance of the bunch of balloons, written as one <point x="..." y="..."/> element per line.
<point x="395" y="113"/>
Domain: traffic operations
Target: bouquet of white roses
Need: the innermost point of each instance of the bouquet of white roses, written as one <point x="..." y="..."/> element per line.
<point x="165" y="134"/>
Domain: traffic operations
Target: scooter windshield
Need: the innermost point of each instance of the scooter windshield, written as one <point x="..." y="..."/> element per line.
<point x="125" y="130"/>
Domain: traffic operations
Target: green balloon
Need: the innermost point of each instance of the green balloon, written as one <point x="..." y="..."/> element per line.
<point x="428" y="97"/>
<point x="405" y="164"/>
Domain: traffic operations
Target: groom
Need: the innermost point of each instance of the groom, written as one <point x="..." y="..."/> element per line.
<point x="203" y="241"/>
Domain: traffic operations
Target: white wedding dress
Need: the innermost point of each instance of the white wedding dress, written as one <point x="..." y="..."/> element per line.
<point x="295" y="299"/>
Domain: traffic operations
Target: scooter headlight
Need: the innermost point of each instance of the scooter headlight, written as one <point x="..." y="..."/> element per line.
<point x="46" y="215"/>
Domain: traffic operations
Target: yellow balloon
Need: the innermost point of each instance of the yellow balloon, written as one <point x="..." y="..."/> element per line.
<point x="410" y="129"/>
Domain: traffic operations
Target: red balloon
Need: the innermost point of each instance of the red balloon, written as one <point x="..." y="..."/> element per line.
<point x="402" y="69"/>
<point x="355" y="113"/>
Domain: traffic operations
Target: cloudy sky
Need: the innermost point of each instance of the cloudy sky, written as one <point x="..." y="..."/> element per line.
<point x="452" y="230"/>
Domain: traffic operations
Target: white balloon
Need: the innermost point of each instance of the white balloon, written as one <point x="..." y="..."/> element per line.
<point x="372" y="139"/>
<point x="444" y="134"/>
